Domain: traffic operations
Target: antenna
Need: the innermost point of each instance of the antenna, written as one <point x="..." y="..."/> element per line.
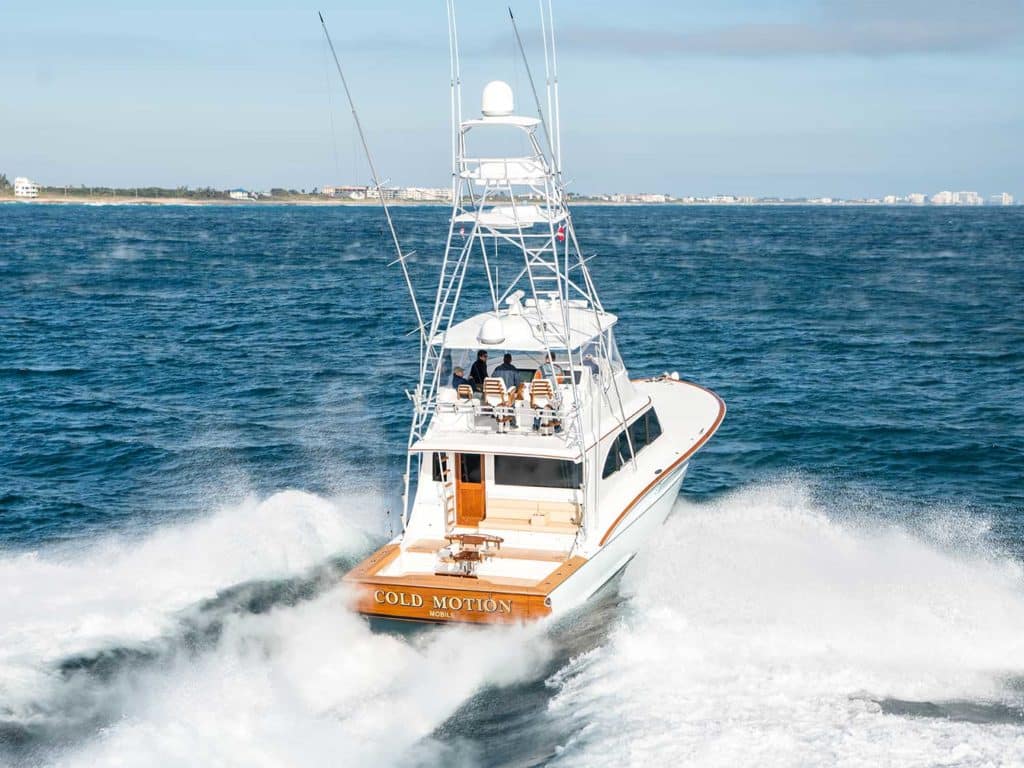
<point x="547" y="66"/>
<point x="456" y="80"/>
<point x="376" y="182"/>
<point x="557" y="117"/>
<point x="451" y="70"/>
<point x="533" y="87"/>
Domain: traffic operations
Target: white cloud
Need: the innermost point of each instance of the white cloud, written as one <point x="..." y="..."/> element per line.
<point x="860" y="28"/>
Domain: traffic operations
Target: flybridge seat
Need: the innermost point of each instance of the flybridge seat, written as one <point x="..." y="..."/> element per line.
<point x="533" y="406"/>
<point x="505" y="170"/>
<point x="542" y="400"/>
<point x="512" y="217"/>
<point x="500" y="400"/>
<point x="526" y="515"/>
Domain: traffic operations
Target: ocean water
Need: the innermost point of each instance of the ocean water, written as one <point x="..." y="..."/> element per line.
<point x="202" y="415"/>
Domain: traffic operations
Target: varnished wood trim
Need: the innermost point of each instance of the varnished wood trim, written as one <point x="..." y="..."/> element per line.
<point x="427" y="597"/>
<point x="430" y="546"/>
<point x="693" y="449"/>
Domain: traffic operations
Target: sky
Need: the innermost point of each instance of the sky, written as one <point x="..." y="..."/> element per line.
<point x="846" y="98"/>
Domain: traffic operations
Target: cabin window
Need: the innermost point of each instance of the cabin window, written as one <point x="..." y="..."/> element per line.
<point x="644" y="431"/>
<point x="540" y="473"/>
<point x="469" y="467"/>
<point x="618" y="455"/>
<point x="440" y="462"/>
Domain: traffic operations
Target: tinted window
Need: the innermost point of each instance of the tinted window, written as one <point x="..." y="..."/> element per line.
<point x="644" y="431"/>
<point x="618" y="455"/>
<point x="469" y="467"/>
<point x="653" y="426"/>
<point x="638" y="433"/>
<point x="439" y="459"/>
<point x="542" y="473"/>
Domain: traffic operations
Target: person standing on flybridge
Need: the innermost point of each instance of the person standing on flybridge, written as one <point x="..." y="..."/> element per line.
<point x="478" y="372"/>
<point x="507" y="372"/>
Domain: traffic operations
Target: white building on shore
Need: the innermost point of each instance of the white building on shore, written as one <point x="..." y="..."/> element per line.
<point x="968" y="198"/>
<point x="426" y="194"/>
<point x="24" y="187"/>
<point x="349" y="191"/>
<point x="1003" y="198"/>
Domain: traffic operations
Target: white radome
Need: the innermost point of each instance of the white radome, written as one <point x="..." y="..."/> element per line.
<point x="492" y="331"/>
<point x="497" y="99"/>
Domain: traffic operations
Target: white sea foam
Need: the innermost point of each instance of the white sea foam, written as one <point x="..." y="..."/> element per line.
<point x="123" y="591"/>
<point x="760" y="632"/>
<point x="311" y="686"/>
<point x="765" y="633"/>
<point x="304" y="684"/>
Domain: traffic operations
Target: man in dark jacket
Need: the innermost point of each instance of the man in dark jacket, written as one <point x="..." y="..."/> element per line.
<point x="478" y="372"/>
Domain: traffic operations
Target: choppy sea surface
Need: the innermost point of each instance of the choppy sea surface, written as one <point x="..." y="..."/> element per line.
<point x="202" y="415"/>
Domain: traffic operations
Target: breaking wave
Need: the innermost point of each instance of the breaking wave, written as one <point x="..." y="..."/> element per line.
<point x="763" y="631"/>
<point x="760" y="629"/>
<point x="224" y="641"/>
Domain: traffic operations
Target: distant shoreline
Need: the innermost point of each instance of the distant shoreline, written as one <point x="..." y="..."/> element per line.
<point x="188" y="201"/>
<point x="98" y="201"/>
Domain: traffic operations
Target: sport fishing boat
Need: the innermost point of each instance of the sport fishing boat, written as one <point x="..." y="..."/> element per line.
<point x="536" y="467"/>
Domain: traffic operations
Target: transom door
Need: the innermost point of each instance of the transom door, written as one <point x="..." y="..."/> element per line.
<point x="470" y="504"/>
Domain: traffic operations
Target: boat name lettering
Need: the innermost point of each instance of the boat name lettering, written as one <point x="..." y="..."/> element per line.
<point x="478" y="604"/>
<point x="387" y="597"/>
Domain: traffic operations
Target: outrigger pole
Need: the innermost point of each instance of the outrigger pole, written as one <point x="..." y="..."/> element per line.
<point x="376" y="182"/>
<point x="533" y="88"/>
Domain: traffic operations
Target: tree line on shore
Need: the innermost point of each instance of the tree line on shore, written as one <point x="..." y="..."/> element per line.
<point x="189" y="193"/>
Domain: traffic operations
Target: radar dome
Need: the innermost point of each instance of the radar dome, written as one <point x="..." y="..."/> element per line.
<point x="497" y="100"/>
<point x="492" y="331"/>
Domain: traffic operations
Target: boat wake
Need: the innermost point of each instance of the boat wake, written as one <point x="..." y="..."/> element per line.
<point x="763" y="631"/>
<point x="759" y="630"/>
<point x="223" y="641"/>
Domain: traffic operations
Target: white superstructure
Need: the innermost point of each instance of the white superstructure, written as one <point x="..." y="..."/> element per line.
<point x="528" y="488"/>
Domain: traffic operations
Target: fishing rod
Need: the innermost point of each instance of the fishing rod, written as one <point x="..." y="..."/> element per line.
<point x="533" y="88"/>
<point x="377" y="184"/>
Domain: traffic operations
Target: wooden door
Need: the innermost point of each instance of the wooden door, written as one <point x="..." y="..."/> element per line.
<point x="470" y="507"/>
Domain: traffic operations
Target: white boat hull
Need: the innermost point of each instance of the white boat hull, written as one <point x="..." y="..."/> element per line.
<point x="630" y="537"/>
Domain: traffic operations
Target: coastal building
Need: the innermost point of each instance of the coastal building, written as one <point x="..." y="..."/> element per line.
<point x="1003" y="198"/>
<point x="347" y="191"/>
<point x="632" y="197"/>
<point x="389" y="193"/>
<point x="25" y="187"/>
<point x="239" y="194"/>
<point x="916" y="198"/>
<point x="968" y="198"/>
<point x="426" y="194"/>
<point x="942" y="198"/>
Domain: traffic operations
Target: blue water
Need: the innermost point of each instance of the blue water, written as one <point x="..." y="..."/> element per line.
<point x="166" y="373"/>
